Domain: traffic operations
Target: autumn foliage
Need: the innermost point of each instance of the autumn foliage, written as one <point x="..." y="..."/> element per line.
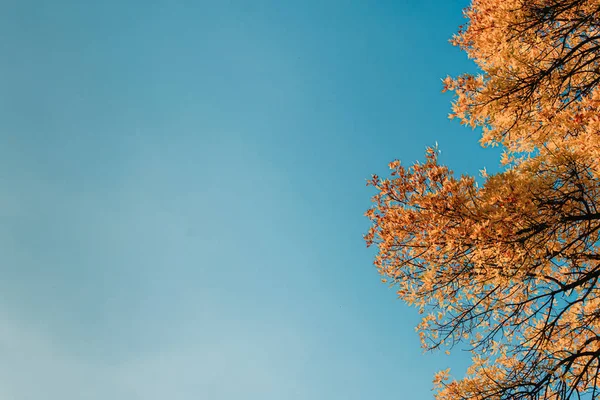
<point x="510" y="266"/>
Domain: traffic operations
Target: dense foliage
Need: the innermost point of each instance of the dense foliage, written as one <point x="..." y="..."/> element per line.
<point x="510" y="266"/>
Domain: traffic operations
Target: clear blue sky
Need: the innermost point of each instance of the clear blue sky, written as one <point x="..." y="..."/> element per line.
<point x="183" y="189"/>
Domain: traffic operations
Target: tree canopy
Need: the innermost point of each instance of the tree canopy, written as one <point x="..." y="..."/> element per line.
<point x="510" y="266"/>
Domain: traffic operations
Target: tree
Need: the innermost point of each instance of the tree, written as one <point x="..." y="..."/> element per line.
<point x="511" y="266"/>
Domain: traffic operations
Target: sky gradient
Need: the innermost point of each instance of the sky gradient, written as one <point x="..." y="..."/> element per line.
<point x="183" y="189"/>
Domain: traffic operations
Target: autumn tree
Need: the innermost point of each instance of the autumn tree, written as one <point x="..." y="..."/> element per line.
<point x="510" y="266"/>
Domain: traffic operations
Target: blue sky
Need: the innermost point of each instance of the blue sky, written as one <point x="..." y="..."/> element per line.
<point x="183" y="189"/>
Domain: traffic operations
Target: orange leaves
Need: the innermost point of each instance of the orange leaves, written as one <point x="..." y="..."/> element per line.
<point x="394" y="166"/>
<point x="440" y="378"/>
<point x="537" y="75"/>
<point x="490" y="259"/>
<point x="511" y="266"/>
<point x="374" y="181"/>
